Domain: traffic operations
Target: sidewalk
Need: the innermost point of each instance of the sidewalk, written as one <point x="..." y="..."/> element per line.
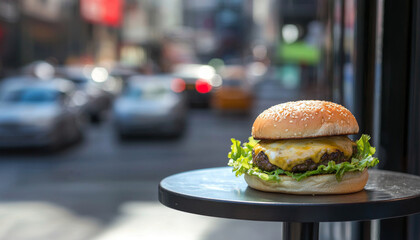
<point x="44" y="221"/>
<point x="137" y="221"/>
<point x="151" y="220"/>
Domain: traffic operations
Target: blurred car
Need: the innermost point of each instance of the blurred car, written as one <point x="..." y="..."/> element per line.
<point x="235" y="94"/>
<point x="92" y="82"/>
<point x="35" y="113"/>
<point x="122" y="73"/>
<point x="38" y="69"/>
<point x="150" y="106"/>
<point x="198" y="82"/>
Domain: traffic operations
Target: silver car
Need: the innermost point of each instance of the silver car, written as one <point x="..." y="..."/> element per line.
<point x="149" y="106"/>
<point x="35" y="113"/>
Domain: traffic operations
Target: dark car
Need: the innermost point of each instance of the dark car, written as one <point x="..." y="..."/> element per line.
<point x="197" y="80"/>
<point x="94" y="83"/>
<point x="35" y="113"/>
<point x="149" y="106"/>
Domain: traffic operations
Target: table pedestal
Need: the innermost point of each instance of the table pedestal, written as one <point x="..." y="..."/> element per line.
<point x="300" y="231"/>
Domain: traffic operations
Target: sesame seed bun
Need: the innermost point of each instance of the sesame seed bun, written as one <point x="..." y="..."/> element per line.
<point x="304" y="119"/>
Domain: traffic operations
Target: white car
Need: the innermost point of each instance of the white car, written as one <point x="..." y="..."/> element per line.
<point x="149" y="106"/>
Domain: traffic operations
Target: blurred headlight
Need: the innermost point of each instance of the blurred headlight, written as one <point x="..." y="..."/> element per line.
<point x="216" y="81"/>
<point x="99" y="74"/>
<point x="44" y="70"/>
<point x="206" y="72"/>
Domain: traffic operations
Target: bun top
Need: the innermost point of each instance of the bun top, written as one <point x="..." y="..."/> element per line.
<point x="304" y="119"/>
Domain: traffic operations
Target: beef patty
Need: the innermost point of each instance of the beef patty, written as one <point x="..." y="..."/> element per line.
<point x="261" y="160"/>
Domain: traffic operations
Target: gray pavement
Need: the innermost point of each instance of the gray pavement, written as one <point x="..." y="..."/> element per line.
<point x="94" y="177"/>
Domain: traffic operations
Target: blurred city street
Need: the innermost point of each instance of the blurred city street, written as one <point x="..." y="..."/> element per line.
<point x="97" y="177"/>
<point x="102" y="99"/>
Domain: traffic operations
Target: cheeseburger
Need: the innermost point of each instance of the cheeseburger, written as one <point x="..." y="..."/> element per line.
<point x="303" y="148"/>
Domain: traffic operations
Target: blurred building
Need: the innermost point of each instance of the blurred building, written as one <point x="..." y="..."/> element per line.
<point x="149" y="35"/>
<point x="60" y="31"/>
<point x="164" y="33"/>
<point x="146" y="23"/>
<point x="222" y="28"/>
<point x="9" y="16"/>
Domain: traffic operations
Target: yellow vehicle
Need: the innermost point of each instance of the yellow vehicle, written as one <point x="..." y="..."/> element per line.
<point x="235" y="93"/>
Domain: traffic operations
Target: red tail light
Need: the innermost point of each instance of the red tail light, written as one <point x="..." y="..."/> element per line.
<point x="202" y="86"/>
<point x="178" y="85"/>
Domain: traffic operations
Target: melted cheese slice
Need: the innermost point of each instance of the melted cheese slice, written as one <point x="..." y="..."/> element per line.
<point x="288" y="153"/>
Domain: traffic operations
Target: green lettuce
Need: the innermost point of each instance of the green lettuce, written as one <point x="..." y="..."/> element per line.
<point x="240" y="158"/>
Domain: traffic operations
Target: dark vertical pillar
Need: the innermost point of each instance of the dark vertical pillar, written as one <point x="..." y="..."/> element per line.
<point x="395" y="99"/>
<point x="413" y="156"/>
<point x="340" y="63"/>
<point x="365" y="66"/>
<point x="395" y="74"/>
<point x="413" y="151"/>
<point x="365" y="63"/>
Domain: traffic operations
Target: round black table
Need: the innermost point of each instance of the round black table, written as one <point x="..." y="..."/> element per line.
<point x="217" y="192"/>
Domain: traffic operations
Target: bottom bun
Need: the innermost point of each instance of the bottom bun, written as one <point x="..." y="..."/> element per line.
<point x="317" y="184"/>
